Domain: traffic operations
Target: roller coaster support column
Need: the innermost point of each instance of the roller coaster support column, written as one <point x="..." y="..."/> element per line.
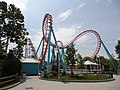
<point x="49" y="41"/>
<point x="39" y="47"/>
<point x="58" y="52"/>
<point x="53" y="56"/>
<point x="62" y="60"/>
<point x="109" y="55"/>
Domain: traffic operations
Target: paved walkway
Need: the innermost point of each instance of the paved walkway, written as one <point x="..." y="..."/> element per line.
<point x="34" y="83"/>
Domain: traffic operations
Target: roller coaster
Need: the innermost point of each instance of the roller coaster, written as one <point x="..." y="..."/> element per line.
<point x="52" y="50"/>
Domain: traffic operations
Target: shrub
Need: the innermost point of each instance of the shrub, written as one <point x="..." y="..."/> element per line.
<point x="11" y="65"/>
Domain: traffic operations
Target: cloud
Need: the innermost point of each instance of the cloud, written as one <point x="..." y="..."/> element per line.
<point x="118" y="38"/>
<point x="66" y="34"/>
<point x="22" y="4"/>
<point x="109" y="1"/>
<point x="64" y="15"/>
<point x="80" y="6"/>
<point x="85" y="45"/>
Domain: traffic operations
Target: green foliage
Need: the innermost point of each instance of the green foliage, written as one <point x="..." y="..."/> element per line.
<point x="54" y="70"/>
<point x="70" y="55"/>
<point x="12" y="28"/>
<point x="85" y="77"/>
<point x="63" y="73"/>
<point x="106" y="63"/>
<point x="80" y="61"/>
<point x="11" y="65"/>
<point x="117" y="49"/>
<point x="86" y="58"/>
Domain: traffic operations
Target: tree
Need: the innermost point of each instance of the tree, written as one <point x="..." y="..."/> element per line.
<point x="104" y="62"/>
<point x="70" y="56"/>
<point x="12" y="28"/>
<point x="80" y="61"/>
<point x="86" y="58"/>
<point x="117" y="49"/>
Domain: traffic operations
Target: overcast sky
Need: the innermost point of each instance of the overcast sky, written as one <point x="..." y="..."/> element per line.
<point x="70" y="17"/>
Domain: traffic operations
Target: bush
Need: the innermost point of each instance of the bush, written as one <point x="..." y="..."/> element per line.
<point x="11" y="65"/>
<point x="64" y="73"/>
<point x="55" y="73"/>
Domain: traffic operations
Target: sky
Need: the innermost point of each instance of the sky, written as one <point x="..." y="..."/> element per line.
<point x="71" y="17"/>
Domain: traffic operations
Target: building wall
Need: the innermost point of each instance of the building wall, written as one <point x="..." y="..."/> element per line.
<point x="30" y="68"/>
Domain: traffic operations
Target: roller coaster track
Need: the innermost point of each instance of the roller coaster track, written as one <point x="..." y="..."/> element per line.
<point x="46" y="43"/>
<point x="30" y="47"/>
<point x="47" y="26"/>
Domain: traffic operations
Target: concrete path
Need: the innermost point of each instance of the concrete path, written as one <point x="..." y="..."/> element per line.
<point x="34" y="83"/>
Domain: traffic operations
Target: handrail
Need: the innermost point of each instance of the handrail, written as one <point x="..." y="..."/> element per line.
<point x="8" y="80"/>
<point x="7" y="77"/>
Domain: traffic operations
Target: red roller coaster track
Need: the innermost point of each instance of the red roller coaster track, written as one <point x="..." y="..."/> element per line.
<point x="46" y="27"/>
<point x="28" y="46"/>
<point x="99" y="41"/>
<point x="47" y="23"/>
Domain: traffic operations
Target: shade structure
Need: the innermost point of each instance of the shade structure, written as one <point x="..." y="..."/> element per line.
<point x="89" y="63"/>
